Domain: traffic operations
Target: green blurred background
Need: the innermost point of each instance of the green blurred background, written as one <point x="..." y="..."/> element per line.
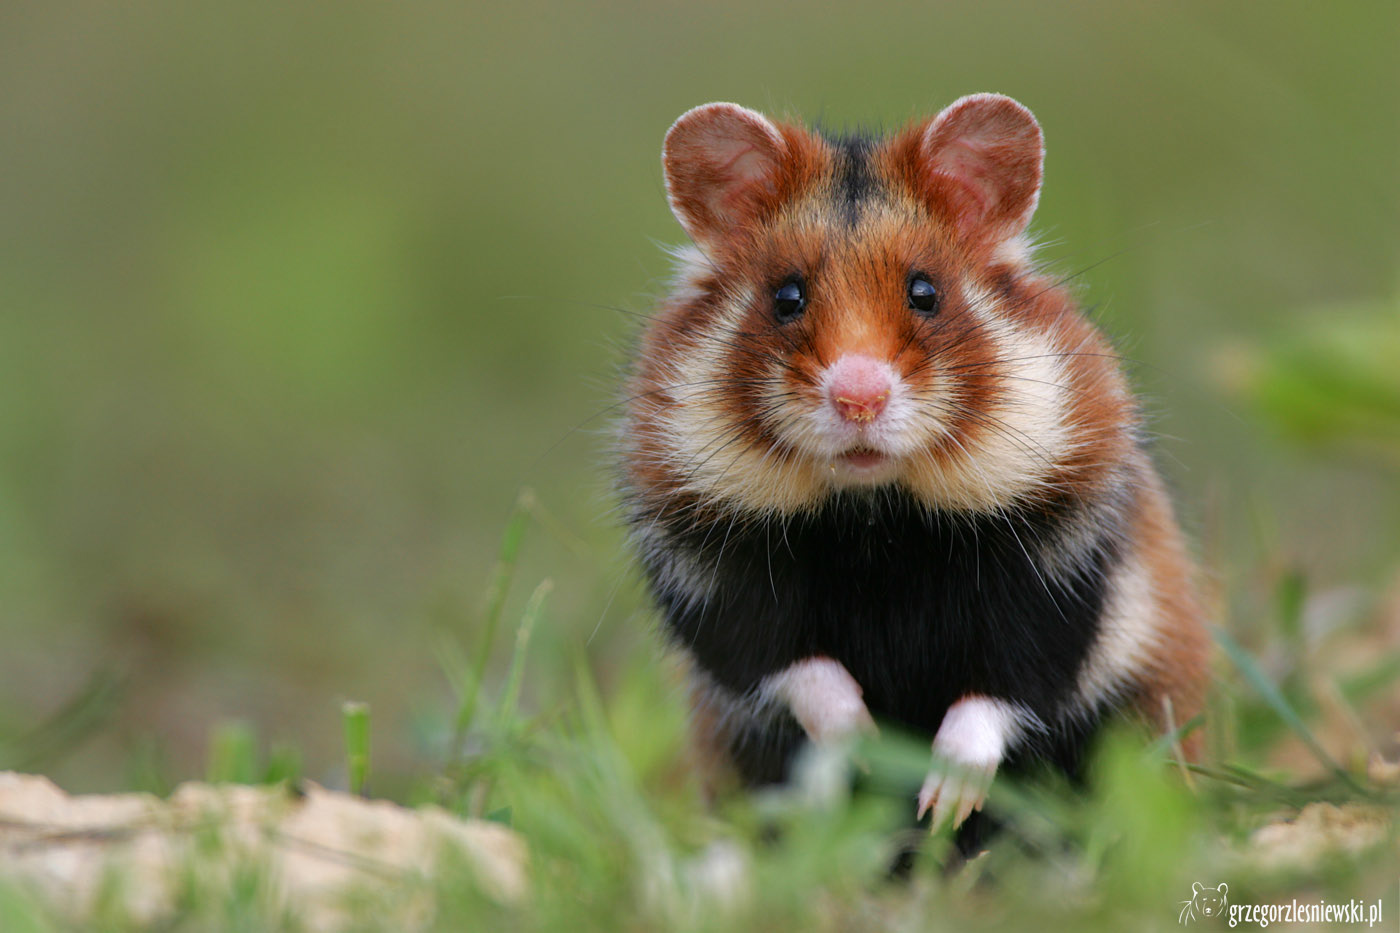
<point x="296" y="297"/>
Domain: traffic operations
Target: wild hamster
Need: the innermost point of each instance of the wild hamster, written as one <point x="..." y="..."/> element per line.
<point x="879" y="467"/>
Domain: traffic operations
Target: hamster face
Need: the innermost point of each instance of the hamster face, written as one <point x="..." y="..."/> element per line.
<point x="859" y="315"/>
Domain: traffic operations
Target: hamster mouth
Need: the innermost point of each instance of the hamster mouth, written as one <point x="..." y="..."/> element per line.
<point x="864" y="458"/>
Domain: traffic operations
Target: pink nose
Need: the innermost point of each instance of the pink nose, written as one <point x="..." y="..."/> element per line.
<point x="858" y="387"/>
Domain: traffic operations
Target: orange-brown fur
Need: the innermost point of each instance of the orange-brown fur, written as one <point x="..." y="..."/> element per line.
<point x="1174" y="687"/>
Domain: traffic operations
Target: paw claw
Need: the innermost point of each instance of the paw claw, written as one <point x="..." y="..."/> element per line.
<point x="965" y="809"/>
<point x="927" y="794"/>
<point x="953" y="797"/>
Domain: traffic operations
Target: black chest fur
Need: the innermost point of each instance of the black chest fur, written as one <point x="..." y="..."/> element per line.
<point x="921" y="607"/>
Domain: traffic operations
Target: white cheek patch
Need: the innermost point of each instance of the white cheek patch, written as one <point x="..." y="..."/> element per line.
<point x="1023" y="438"/>
<point x="1030" y="435"/>
<point x="823" y="697"/>
<point x="704" y="445"/>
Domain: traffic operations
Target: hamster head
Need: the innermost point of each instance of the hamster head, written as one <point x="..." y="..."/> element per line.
<point x="862" y="313"/>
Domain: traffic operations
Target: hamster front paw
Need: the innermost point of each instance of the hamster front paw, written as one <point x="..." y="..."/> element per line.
<point x="972" y="740"/>
<point x="824" y="699"/>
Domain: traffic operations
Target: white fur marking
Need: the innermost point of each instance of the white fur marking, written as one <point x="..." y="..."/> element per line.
<point x="1033" y="437"/>
<point x="1126" y="636"/>
<point x="1014" y="251"/>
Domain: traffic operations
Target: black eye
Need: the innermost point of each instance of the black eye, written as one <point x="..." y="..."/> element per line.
<point x="923" y="297"/>
<point x="789" y="300"/>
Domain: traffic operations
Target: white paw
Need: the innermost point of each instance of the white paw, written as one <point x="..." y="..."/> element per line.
<point x="974" y="736"/>
<point x="837" y="721"/>
<point x="824" y="699"/>
<point x="953" y="792"/>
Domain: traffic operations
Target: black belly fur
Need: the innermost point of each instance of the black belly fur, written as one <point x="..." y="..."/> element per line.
<point x="922" y="607"/>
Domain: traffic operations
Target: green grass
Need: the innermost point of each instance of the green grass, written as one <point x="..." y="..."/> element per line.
<point x="620" y="837"/>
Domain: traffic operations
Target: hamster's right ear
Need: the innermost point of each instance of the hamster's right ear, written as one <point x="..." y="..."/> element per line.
<point x="723" y="167"/>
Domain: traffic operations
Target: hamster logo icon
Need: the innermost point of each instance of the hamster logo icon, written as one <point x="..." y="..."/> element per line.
<point x="1204" y="902"/>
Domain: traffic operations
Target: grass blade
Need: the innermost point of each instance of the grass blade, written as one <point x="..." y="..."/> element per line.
<point x="1276" y="701"/>
<point x="501" y="577"/>
<point x="355" y="716"/>
<point x="510" y="695"/>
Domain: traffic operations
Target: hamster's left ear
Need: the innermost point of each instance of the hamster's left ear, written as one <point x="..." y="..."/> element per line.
<point x="979" y="165"/>
<point x="723" y="165"/>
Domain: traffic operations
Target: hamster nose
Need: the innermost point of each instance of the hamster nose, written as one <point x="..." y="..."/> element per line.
<point x="858" y="387"/>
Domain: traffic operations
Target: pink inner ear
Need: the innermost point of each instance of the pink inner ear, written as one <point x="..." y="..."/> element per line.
<point x="743" y="166"/>
<point x="740" y="160"/>
<point x="973" y="187"/>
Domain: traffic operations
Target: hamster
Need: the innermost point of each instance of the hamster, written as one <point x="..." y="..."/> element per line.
<point x="878" y="467"/>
